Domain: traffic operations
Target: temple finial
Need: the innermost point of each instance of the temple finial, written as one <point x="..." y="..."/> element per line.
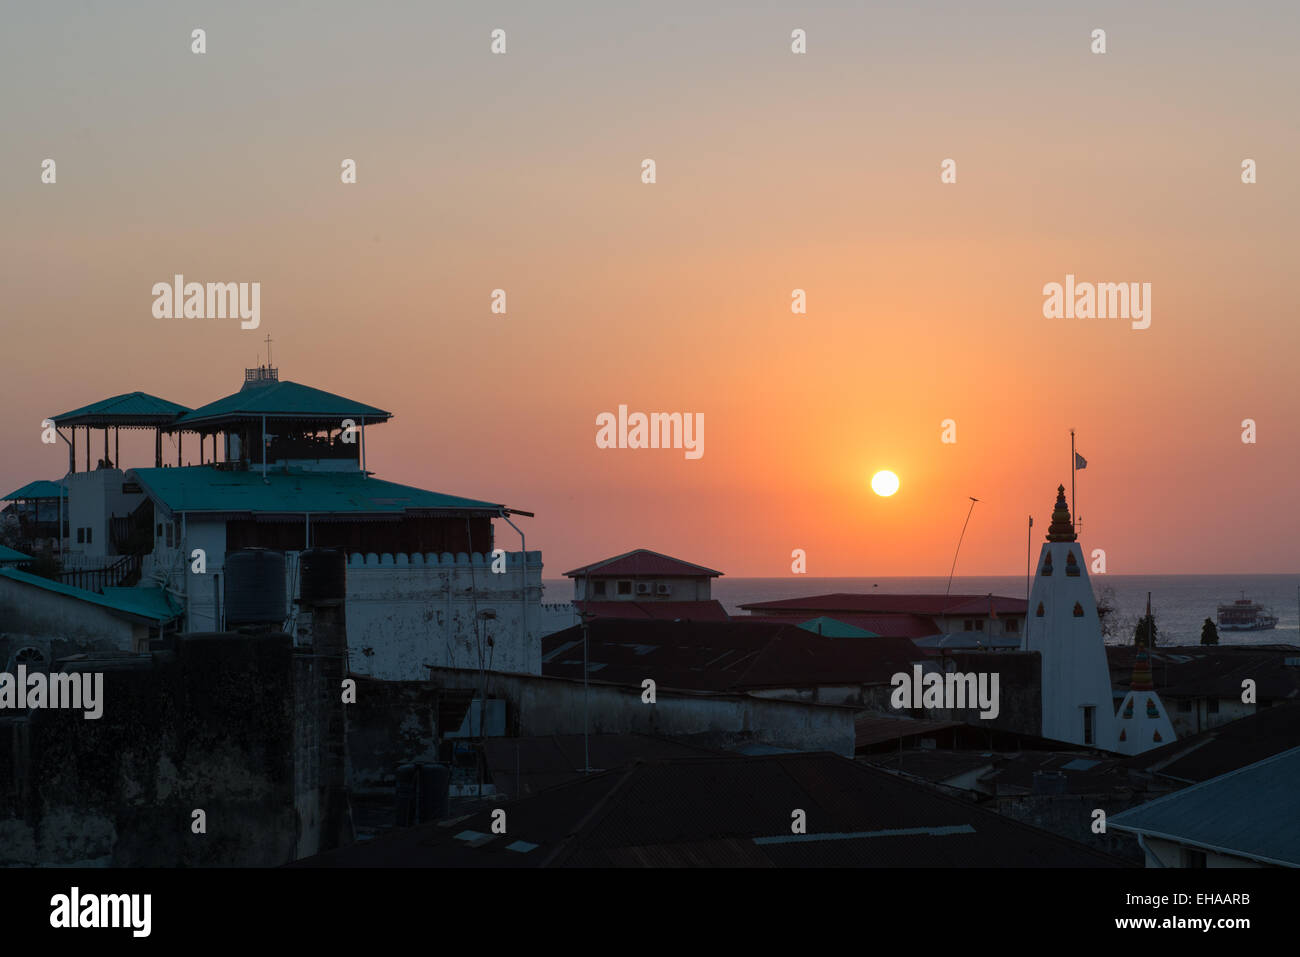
<point x="1061" y="529"/>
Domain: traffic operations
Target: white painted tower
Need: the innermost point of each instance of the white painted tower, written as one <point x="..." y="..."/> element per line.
<point x="1142" y="720"/>
<point x="1064" y="629"/>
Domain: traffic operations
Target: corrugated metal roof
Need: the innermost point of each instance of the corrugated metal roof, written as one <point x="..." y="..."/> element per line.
<point x="201" y="488"/>
<point x="8" y="554"/>
<point x="41" y="488"/>
<point x="129" y="408"/>
<point x="726" y="811"/>
<point x="1250" y="812"/>
<point x="142" y="603"/>
<point x="895" y="604"/>
<point x="723" y="656"/>
<point x="642" y="561"/>
<point x="711" y="610"/>
<point x="869" y="728"/>
<point x="283" y="399"/>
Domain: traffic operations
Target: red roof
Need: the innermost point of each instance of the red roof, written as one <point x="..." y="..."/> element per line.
<point x="875" y="604"/>
<point x="642" y="561"/>
<point x="657" y="610"/>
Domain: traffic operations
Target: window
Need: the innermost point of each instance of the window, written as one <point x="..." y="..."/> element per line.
<point x="159" y="535"/>
<point x="1078" y="610"/>
<point x="598" y="588"/>
<point x="968" y="625"/>
<point x="1039" y="613"/>
<point x="1013" y="626"/>
<point x="625" y="588"/>
<point x="81" y="536"/>
<point x="1047" y="565"/>
<point x="1071" y="566"/>
<point x="979" y="624"/>
<point x="1087" y="724"/>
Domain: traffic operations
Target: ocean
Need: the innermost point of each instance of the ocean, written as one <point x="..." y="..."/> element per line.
<point x="1181" y="603"/>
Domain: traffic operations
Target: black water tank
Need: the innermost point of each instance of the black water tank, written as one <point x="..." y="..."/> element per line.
<point x="254" y="587"/>
<point x="404" y="812"/>
<point x="434" y="787"/>
<point x="324" y="575"/>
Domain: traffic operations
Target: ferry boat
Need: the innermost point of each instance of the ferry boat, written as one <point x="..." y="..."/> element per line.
<point x="1246" y="615"/>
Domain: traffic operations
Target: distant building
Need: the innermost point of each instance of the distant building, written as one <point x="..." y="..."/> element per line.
<point x="282" y="466"/>
<point x="1201" y="685"/>
<point x="908" y="615"/>
<point x="646" y="584"/>
<point x="642" y="575"/>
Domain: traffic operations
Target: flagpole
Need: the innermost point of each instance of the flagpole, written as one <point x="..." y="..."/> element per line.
<point x="1029" y="550"/>
<point x="1074" y="502"/>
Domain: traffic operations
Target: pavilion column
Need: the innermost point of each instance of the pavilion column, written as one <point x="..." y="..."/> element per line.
<point x="105" y="445"/>
<point x="87" y="448"/>
<point x="157" y="448"/>
<point x="117" y="446"/>
<point x="180" y="440"/>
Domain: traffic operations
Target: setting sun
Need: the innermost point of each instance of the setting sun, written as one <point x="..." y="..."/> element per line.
<point x="884" y="483"/>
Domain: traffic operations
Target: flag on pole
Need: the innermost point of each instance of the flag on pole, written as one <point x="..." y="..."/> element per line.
<point x="1079" y="461"/>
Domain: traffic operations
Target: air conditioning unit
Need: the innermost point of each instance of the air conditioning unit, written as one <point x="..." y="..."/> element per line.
<point x="644" y="588"/>
<point x="663" y="589"/>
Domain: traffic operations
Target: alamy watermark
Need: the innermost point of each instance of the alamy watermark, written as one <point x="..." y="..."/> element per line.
<point x="1103" y="300"/>
<point x="80" y="691"/>
<point x="215" y="300"/>
<point x="951" y="690"/>
<point x="656" y="430"/>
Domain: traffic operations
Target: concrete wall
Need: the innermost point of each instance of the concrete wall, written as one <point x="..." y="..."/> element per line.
<point x="1168" y="854"/>
<point x="407" y="612"/>
<point x="33" y="610"/>
<point x="93" y="497"/>
<point x="210" y="726"/>
<point x="555" y="706"/>
<point x="1199" y="717"/>
<point x="679" y="589"/>
<point x="403" y="611"/>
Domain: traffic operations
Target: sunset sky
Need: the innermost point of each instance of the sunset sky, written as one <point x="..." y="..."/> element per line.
<point x="775" y="171"/>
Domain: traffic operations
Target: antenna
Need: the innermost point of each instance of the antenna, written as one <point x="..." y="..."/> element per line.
<point x="973" y="500"/>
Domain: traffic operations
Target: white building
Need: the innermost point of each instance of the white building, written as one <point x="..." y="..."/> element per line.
<point x="1064" y="629"/>
<point x="282" y="466"/>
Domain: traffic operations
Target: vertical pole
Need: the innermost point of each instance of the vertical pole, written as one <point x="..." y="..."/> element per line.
<point x="263" y="448"/>
<point x="117" y="446"/>
<point x="586" y="754"/>
<point x="180" y="445"/>
<point x="363" y="446"/>
<point x="1074" y="502"/>
<point x="157" y="448"/>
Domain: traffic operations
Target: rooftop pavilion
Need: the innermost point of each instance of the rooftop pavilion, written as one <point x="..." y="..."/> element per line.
<point x="268" y="422"/>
